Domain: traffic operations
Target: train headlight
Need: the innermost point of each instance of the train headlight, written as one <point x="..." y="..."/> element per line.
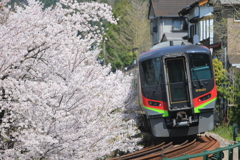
<point x="151" y="103"/>
<point x="204" y="98"/>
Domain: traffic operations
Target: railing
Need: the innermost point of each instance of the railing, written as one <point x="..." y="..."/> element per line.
<point x="216" y="154"/>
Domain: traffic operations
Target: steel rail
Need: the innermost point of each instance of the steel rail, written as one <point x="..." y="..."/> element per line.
<point x="162" y="151"/>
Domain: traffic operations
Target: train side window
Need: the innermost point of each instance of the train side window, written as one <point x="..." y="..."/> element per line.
<point x="200" y="66"/>
<point x="151" y="72"/>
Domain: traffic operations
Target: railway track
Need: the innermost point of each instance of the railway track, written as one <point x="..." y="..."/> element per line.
<point x="168" y="150"/>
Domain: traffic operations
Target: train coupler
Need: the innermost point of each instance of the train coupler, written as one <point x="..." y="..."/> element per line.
<point x="182" y="120"/>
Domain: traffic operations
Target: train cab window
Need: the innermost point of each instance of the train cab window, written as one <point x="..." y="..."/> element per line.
<point x="176" y="70"/>
<point x="151" y="72"/>
<point x="200" y="66"/>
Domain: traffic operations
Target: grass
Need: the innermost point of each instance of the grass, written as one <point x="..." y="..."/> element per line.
<point x="224" y="131"/>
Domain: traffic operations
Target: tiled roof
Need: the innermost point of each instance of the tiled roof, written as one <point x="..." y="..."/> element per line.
<point x="169" y="7"/>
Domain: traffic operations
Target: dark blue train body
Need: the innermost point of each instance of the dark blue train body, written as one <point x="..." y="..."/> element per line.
<point x="177" y="91"/>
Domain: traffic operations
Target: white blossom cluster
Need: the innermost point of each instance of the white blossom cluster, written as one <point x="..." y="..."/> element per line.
<point x="59" y="102"/>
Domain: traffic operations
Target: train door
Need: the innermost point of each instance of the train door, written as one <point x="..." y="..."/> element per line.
<point x="177" y="83"/>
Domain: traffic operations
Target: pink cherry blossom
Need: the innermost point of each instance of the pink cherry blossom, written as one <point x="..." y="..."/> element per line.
<point x="59" y="102"/>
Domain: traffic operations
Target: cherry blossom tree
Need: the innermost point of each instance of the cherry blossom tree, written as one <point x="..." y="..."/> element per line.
<point x="59" y="103"/>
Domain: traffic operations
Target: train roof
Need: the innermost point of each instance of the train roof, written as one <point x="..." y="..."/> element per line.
<point x="174" y="49"/>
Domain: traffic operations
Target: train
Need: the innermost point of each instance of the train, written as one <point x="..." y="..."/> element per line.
<point x="176" y="91"/>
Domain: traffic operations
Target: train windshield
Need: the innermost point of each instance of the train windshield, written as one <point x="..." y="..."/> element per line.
<point x="200" y="66"/>
<point x="151" y="75"/>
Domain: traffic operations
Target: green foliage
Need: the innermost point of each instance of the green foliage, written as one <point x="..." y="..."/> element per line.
<point x="127" y="38"/>
<point x="224" y="131"/>
<point x="224" y="90"/>
<point x="222" y="81"/>
<point x="220" y="28"/>
<point x="118" y="48"/>
<point x="234" y="115"/>
<point x="12" y="3"/>
<point x="234" y="112"/>
<point x="237" y="88"/>
<point x="219" y="72"/>
<point x="48" y="3"/>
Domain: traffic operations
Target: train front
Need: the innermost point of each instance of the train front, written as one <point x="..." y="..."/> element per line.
<point x="177" y="91"/>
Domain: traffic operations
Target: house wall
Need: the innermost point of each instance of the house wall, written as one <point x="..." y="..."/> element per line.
<point x="205" y="10"/>
<point x="201" y="28"/>
<point x="193" y="32"/>
<point x="206" y="24"/>
<point x="162" y="25"/>
<point x="206" y="29"/>
<point x="154" y="29"/>
<point x="193" y="12"/>
<point x="167" y="25"/>
<point x="233" y="36"/>
<point x="200" y="11"/>
<point x="195" y="39"/>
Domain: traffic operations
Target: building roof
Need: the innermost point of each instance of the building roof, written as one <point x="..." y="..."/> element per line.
<point x="168" y="7"/>
<point x="173" y="36"/>
<point x="187" y="8"/>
